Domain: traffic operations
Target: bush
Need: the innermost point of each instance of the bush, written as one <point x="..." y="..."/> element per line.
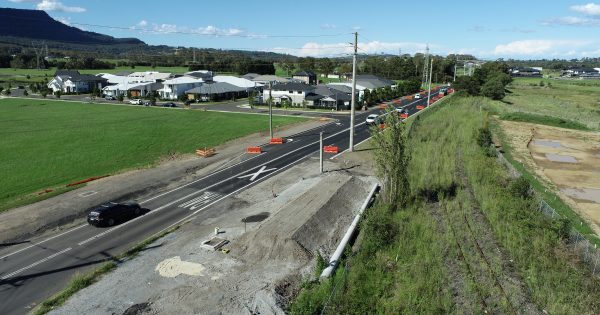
<point x="493" y="88"/>
<point x="484" y="137"/>
<point x="520" y="187"/>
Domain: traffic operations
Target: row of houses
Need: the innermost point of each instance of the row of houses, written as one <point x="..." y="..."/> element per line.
<point x="299" y="90"/>
<point x="582" y="73"/>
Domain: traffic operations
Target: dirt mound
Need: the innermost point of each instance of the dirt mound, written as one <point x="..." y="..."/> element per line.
<point x="315" y="220"/>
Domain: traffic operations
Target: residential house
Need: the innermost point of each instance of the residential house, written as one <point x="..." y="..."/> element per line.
<point x="70" y="81"/>
<point x="176" y="87"/>
<point x="216" y="91"/>
<point x="294" y="93"/>
<point x="307" y="77"/>
<point x="526" y="72"/>
<point x="205" y="75"/>
<point x="240" y="82"/>
<point x="250" y="76"/>
<point x="336" y="97"/>
<point x="138" y="84"/>
<point x="368" y="82"/>
<point x="270" y="79"/>
<point x="144" y="89"/>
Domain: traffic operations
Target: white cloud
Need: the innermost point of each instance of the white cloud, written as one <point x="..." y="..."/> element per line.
<point x="54" y="5"/>
<point x="571" y="21"/>
<point x="143" y="23"/>
<point x="21" y="1"/>
<point x="338" y="49"/>
<point x="209" y="30"/>
<point x="327" y="26"/>
<point x="540" y="47"/>
<point x="590" y="9"/>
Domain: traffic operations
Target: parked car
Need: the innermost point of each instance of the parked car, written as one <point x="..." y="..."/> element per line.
<point x="110" y="98"/>
<point x="110" y="213"/>
<point x="372" y="119"/>
<point x="135" y="101"/>
<point x="147" y="103"/>
<point x="170" y="104"/>
<point x="443" y="91"/>
<point x="417" y="96"/>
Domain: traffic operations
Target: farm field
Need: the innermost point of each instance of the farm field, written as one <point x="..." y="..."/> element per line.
<point x="47" y="144"/>
<point x="570" y="100"/>
<point x="469" y="241"/>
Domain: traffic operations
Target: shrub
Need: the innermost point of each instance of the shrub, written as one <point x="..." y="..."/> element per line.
<point x="520" y="187"/>
<point x="493" y="88"/>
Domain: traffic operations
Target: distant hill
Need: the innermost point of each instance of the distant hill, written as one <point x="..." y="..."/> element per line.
<point x="17" y="25"/>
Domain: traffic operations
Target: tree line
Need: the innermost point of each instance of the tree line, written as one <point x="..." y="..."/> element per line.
<point x="489" y="80"/>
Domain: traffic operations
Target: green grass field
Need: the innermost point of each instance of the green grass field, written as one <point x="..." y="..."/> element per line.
<point x="437" y="255"/>
<point x="47" y="144"/>
<point x="575" y="100"/>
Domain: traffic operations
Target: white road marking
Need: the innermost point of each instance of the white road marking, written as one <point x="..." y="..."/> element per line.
<point x="197" y="202"/>
<point x="88" y="193"/>
<point x="253" y="176"/>
<point x="38" y="243"/>
<point x="12" y="274"/>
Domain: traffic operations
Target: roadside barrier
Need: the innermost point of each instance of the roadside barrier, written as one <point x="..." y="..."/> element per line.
<point x="85" y="181"/>
<point x="420" y="107"/>
<point x="410" y="97"/>
<point x="381" y="126"/>
<point x="206" y="152"/>
<point x="276" y="141"/>
<point x="397" y="101"/>
<point x="254" y="150"/>
<point x="331" y="149"/>
<point x="404" y="115"/>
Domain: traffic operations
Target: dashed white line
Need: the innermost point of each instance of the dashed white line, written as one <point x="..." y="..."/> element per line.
<point x="14" y="273"/>
<point x="38" y="243"/>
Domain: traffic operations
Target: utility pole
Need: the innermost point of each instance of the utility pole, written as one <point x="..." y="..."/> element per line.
<point x="270" y="111"/>
<point x="321" y="152"/>
<point x="194" y="51"/>
<point x="426" y="66"/>
<point x="353" y="103"/>
<point x="429" y="93"/>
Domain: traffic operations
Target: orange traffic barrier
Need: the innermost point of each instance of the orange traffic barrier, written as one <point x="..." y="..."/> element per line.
<point x="276" y="141"/>
<point x="330" y="149"/>
<point x="420" y="107"/>
<point x="206" y="152"/>
<point x="381" y="126"/>
<point x="404" y="115"/>
<point x="254" y="150"/>
<point x="410" y="97"/>
<point x="397" y="101"/>
<point x="85" y="181"/>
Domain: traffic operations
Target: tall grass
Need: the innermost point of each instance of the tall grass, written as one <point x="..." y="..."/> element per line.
<point x="402" y="266"/>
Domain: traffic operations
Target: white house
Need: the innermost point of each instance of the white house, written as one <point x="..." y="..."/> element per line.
<point x="74" y="82"/>
<point x="239" y="82"/>
<point x="295" y="93"/>
<point x="176" y="87"/>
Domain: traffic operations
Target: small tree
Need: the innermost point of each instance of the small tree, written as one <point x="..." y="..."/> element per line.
<point x="493" y="88"/>
<point x="58" y="93"/>
<point x="120" y="98"/>
<point x="44" y="93"/>
<point x="25" y="93"/>
<point x="391" y="159"/>
<point x="7" y="92"/>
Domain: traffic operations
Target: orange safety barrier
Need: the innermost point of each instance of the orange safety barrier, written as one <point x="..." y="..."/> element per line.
<point x="330" y="149"/>
<point x="420" y="107"/>
<point x="276" y="141"/>
<point x="254" y="150"/>
<point x="381" y="126"/>
<point x="85" y="181"/>
<point x="397" y="101"/>
<point x="404" y="115"/>
<point x="410" y="97"/>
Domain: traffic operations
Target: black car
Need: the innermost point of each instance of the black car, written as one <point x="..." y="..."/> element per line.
<point x="110" y="213"/>
<point x="170" y="104"/>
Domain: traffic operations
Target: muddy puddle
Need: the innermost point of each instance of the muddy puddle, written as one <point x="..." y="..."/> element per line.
<point x="561" y="158"/>
<point x="589" y="194"/>
<point x="547" y="143"/>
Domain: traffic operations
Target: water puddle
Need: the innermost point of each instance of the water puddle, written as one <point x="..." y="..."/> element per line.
<point x="547" y="143"/>
<point x="561" y="158"/>
<point x="589" y="194"/>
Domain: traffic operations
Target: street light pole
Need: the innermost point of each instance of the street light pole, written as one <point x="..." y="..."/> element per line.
<point x="270" y="111"/>
<point x="353" y="104"/>
<point x="430" y="72"/>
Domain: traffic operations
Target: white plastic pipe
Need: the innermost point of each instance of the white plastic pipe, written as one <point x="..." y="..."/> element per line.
<point x="335" y="258"/>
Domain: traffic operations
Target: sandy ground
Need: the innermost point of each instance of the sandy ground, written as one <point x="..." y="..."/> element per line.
<point x="36" y="221"/>
<point x="569" y="160"/>
<point x="268" y="257"/>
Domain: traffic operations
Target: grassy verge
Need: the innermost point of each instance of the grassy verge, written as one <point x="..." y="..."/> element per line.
<point x="424" y="259"/>
<point x="543" y="120"/>
<point x="81" y="281"/>
<point x="48" y="144"/>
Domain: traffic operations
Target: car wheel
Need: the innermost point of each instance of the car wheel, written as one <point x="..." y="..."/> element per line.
<point x="111" y="222"/>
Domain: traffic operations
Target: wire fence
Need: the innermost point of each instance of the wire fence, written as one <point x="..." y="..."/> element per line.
<point x="329" y="308"/>
<point x="587" y="251"/>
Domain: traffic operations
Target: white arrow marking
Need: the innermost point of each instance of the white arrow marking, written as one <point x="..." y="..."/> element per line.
<point x="253" y="176"/>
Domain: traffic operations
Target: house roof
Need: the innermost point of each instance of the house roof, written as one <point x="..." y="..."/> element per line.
<point x="270" y="78"/>
<point x="293" y="86"/>
<point x="334" y="93"/>
<point x="215" y="88"/>
<point x="200" y="75"/>
<point x="305" y="74"/>
<point x="250" y="75"/>
<point x="86" y="78"/>
<point x="68" y="73"/>
<point x="373" y="82"/>
<point x="183" y="80"/>
<point x="123" y="73"/>
<point x="241" y="82"/>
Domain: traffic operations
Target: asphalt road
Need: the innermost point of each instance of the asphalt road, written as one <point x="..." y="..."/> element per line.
<point x="30" y="273"/>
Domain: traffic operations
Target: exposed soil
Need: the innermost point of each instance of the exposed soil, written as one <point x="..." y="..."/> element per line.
<point x="288" y="218"/>
<point x="566" y="160"/>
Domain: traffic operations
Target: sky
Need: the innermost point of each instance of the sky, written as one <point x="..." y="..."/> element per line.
<point x="524" y="29"/>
